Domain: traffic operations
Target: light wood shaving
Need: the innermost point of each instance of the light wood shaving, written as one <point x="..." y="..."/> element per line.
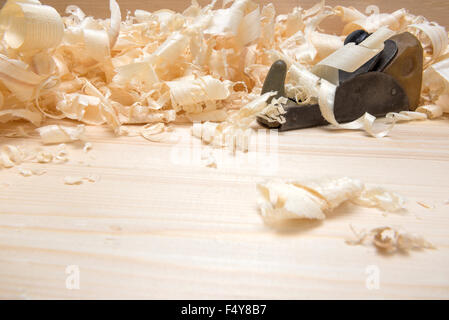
<point x="53" y="134"/>
<point x="11" y="156"/>
<point x="390" y="239"/>
<point x="87" y="147"/>
<point x="30" y="172"/>
<point x="156" y="132"/>
<point x="77" y="180"/>
<point x="72" y="180"/>
<point x="284" y="200"/>
<point x="424" y="205"/>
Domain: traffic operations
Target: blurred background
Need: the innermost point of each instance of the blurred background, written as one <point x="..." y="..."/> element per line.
<point x="434" y="10"/>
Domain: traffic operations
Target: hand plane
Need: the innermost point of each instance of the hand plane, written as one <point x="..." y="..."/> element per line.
<point x="389" y="82"/>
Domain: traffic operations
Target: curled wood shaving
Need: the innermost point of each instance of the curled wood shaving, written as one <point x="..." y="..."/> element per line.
<point x="11" y="156"/>
<point x="25" y="172"/>
<point x="155" y="132"/>
<point x="31" y="25"/>
<point x="114" y="24"/>
<point x="378" y="197"/>
<point x="189" y="91"/>
<point x="357" y="20"/>
<point x="17" y="77"/>
<point x="390" y="239"/>
<point x="72" y="180"/>
<point x="274" y="112"/>
<point x="30" y="172"/>
<point x="87" y="147"/>
<point x="433" y="37"/>
<point x="424" y="205"/>
<point x="58" y="134"/>
<point x="405" y="116"/>
<point x="432" y="111"/>
<point x="15" y="114"/>
<point x="44" y="157"/>
<point x="280" y="200"/>
<point x="436" y="85"/>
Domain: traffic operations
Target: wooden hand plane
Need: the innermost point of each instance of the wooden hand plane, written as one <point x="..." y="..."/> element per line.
<point x="389" y="82"/>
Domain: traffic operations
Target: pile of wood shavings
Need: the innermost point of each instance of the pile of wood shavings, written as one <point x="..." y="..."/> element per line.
<point x="281" y="201"/>
<point x="198" y="65"/>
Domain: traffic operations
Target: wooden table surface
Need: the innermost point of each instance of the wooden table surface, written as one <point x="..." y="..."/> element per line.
<point x="160" y="224"/>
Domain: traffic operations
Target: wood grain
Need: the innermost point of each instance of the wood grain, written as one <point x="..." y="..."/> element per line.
<point x="159" y="224"/>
